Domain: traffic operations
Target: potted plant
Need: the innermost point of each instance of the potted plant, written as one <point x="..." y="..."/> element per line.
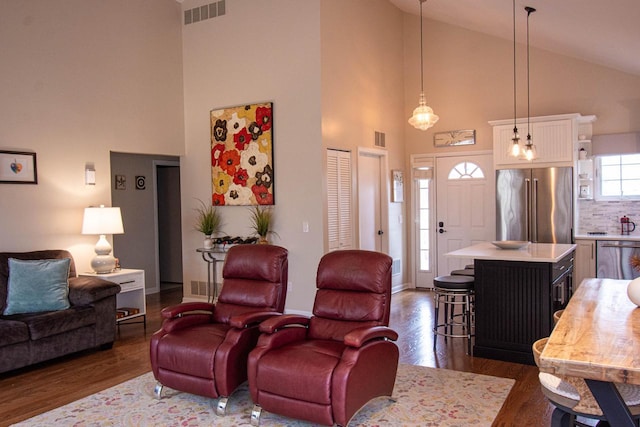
<point x="208" y="222"/>
<point x="261" y="222"/>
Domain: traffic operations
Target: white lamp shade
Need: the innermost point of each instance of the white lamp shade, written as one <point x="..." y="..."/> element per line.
<point x="101" y="220"/>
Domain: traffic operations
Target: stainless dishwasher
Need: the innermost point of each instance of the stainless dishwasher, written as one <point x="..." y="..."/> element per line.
<point x="613" y="258"/>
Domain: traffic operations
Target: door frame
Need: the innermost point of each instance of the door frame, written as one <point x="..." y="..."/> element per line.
<point x="156" y="242"/>
<point x="414" y="220"/>
<point x="382" y="156"/>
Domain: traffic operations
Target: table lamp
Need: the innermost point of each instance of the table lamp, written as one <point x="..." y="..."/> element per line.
<point x="102" y="221"/>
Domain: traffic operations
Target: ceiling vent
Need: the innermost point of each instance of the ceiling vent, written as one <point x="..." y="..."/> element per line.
<point x="202" y="13"/>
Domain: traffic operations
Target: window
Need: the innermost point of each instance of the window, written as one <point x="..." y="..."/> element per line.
<point x="619" y="176"/>
<point x="466" y="170"/>
<point x="423" y="223"/>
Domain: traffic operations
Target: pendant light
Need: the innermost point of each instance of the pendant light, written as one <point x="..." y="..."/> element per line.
<point x="423" y="117"/>
<point x="529" y="148"/>
<point x="515" y="149"/>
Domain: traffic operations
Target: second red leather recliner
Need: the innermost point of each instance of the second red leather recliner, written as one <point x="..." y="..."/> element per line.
<point x="323" y="369"/>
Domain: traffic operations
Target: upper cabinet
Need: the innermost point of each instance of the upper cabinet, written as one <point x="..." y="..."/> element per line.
<point x="554" y="139"/>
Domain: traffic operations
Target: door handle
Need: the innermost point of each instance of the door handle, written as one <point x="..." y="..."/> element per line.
<point x="380" y="232"/>
<point x="442" y="231"/>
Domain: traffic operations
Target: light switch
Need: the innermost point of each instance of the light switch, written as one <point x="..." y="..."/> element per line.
<point x="305" y="226"/>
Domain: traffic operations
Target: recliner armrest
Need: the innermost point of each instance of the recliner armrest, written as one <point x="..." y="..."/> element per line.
<point x="358" y="337"/>
<point x="248" y="319"/>
<point x="179" y="309"/>
<point x="271" y="325"/>
<point x="177" y="323"/>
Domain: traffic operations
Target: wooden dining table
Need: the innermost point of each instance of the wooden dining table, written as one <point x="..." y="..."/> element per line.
<point x="598" y="339"/>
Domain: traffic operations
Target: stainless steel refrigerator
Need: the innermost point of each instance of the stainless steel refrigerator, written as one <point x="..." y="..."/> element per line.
<point x="535" y="205"/>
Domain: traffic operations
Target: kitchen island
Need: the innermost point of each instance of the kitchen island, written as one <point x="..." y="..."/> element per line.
<point x="516" y="293"/>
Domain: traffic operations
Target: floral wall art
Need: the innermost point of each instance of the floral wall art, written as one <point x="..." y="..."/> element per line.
<point x="242" y="155"/>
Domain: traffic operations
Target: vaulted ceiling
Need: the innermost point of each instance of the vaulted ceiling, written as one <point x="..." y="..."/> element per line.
<point x="597" y="31"/>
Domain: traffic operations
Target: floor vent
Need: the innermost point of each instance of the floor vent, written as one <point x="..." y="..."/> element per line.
<point x="207" y="11"/>
<point x="396" y="267"/>
<point x="198" y="288"/>
<point x="380" y="139"/>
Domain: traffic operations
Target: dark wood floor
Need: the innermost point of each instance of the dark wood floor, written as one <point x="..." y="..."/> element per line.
<point x="31" y="391"/>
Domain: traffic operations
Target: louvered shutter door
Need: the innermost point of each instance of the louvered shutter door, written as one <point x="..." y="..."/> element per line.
<point x="339" y="195"/>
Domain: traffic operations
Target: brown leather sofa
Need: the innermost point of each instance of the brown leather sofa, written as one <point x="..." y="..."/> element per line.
<point x="323" y="369"/>
<point x="202" y="348"/>
<point x="90" y="322"/>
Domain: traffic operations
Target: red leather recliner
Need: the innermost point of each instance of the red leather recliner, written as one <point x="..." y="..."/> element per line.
<point x="202" y="348"/>
<point x="323" y="369"/>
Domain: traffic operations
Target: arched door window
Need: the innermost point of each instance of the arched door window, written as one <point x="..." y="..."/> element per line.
<point x="466" y="170"/>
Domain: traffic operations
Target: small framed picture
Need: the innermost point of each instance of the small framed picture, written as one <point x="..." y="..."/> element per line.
<point x="398" y="186"/>
<point x="120" y="182"/>
<point x="18" y="168"/>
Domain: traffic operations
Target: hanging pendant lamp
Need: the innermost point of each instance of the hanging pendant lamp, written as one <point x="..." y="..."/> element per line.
<point x="423" y="117"/>
<point x="515" y="149"/>
<point x="529" y="148"/>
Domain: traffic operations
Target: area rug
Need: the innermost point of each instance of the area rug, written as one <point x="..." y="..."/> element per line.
<point x="425" y="397"/>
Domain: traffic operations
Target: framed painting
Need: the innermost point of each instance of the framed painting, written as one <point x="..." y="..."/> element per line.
<point x="18" y="168"/>
<point x="398" y="186"/>
<point x="242" y="155"/>
<point x="454" y="137"/>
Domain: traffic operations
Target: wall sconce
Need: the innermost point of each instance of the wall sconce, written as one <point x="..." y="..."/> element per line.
<point x="89" y="174"/>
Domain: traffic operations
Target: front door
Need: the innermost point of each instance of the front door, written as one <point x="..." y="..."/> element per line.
<point x="465" y="206"/>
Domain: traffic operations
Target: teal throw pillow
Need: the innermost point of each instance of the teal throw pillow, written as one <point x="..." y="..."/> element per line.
<point x="39" y="285"/>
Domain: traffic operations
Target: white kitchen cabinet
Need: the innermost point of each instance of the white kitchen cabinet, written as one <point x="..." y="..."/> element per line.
<point x="554" y="139"/>
<point x="585" y="261"/>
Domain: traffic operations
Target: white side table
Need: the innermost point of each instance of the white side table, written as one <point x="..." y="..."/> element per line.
<point x="131" y="299"/>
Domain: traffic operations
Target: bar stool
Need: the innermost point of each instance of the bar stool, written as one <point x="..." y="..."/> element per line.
<point x="452" y="291"/>
<point x="464" y="272"/>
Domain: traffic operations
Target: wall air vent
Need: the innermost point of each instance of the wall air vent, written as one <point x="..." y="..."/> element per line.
<point x="380" y="139"/>
<point x="207" y="11"/>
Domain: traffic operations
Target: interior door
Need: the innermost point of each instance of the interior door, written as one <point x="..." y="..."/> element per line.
<point x="370" y="214"/>
<point x="465" y="206"/>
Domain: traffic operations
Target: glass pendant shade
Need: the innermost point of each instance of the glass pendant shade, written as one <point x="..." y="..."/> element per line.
<point x="423" y="116"/>
<point x="515" y="149"/>
<point x="530" y="152"/>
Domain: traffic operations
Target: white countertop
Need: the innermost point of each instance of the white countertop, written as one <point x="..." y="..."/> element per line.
<point x="535" y="252"/>
<point x="631" y="237"/>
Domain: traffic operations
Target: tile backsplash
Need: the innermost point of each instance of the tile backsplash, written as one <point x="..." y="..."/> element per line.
<point x="605" y="215"/>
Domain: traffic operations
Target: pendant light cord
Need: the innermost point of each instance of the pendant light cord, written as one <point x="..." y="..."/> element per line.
<point x="421" y="52"/>
<point x="529" y="10"/>
<point x="515" y="126"/>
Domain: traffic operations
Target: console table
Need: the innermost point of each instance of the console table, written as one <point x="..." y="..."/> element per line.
<point x="212" y="257"/>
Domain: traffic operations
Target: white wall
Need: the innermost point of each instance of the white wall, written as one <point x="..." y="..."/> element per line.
<point x="258" y="52"/>
<point x="362" y="92"/>
<point x="81" y="78"/>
